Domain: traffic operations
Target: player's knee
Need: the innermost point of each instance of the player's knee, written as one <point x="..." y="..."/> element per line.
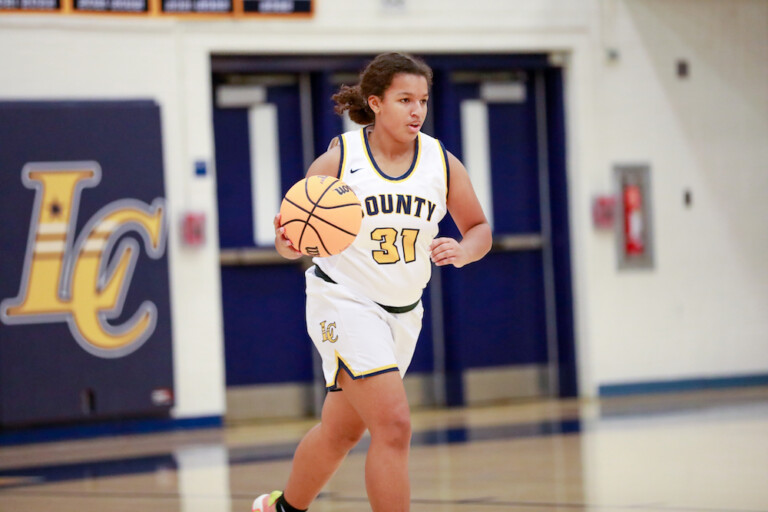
<point x="394" y="430"/>
<point x="344" y="439"/>
<point x="348" y="438"/>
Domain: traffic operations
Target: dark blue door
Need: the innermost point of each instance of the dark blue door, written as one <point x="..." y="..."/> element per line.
<point x="508" y="326"/>
<point x="262" y="297"/>
<point x="499" y="328"/>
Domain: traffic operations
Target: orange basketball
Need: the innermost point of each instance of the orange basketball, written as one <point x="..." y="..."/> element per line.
<point x="321" y="215"/>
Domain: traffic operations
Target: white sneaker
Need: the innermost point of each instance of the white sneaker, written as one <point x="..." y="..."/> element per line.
<point x="266" y="502"/>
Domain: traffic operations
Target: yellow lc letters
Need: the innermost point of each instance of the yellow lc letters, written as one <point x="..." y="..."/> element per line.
<point x="83" y="280"/>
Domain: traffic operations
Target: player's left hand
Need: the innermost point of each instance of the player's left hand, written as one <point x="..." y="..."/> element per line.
<point x="447" y="251"/>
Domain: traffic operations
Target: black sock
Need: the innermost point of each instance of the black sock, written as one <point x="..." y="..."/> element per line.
<point x="284" y="506"/>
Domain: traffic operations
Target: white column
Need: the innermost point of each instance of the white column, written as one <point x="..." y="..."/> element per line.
<point x="265" y="171"/>
<point x="348" y="124"/>
<point x="477" y="151"/>
<point x="203" y="479"/>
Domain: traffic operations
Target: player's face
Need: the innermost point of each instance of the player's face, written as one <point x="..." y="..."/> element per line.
<point x="403" y="108"/>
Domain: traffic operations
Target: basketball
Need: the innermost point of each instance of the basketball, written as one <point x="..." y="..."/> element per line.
<point x="321" y="215"/>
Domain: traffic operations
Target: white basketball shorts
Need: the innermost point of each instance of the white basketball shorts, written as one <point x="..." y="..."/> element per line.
<point x="353" y="333"/>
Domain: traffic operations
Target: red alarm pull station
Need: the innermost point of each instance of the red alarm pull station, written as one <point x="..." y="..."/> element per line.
<point x="193" y="229"/>
<point x="604" y="211"/>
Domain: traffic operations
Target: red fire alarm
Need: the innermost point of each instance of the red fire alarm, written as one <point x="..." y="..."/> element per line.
<point x="604" y="211"/>
<point x="193" y="229"/>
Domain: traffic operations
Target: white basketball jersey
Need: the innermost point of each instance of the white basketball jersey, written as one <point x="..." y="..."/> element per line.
<point x="389" y="260"/>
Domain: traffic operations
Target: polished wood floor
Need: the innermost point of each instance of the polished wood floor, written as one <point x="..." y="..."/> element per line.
<point x="688" y="452"/>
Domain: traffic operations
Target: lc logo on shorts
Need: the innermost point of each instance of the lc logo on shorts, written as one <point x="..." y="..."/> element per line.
<point x="329" y="333"/>
<point x="84" y="279"/>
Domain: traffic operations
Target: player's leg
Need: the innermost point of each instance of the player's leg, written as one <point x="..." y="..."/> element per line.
<point x="381" y="402"/>
<point x="322" y="450"/>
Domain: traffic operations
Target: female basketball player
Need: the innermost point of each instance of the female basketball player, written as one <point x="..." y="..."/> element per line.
<point x="364" y="305"/>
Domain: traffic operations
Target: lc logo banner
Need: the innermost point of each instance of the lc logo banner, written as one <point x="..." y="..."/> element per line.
<point x="83" y="278"/>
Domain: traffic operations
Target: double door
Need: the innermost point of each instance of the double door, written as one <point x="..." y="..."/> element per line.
<point x="497" y="329"/>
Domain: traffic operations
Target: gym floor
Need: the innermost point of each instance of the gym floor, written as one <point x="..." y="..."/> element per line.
<point x="686" y="452"/>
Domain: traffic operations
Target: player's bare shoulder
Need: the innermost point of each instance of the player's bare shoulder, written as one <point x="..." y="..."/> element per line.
<point x="328" y="163"/>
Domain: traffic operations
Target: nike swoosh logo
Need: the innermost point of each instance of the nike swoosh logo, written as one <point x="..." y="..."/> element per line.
<point x="355" y="170"/>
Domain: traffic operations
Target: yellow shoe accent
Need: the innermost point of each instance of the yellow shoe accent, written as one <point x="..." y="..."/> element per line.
<point x="273" y="496"/>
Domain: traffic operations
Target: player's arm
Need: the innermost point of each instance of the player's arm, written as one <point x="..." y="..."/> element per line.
<point x="468" y="215"/>
<point x="328" y="164"/>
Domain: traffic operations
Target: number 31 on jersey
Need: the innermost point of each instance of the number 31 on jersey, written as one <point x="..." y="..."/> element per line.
<point x="388" y="252"/>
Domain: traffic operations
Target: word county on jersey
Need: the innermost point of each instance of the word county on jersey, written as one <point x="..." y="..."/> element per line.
<point x="405" y="204"/>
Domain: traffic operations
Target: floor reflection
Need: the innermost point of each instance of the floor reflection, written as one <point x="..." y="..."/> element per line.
<point x="703" y="452"/>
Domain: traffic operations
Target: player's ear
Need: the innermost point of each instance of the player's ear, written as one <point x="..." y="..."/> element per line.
<point x="375" y="103"/>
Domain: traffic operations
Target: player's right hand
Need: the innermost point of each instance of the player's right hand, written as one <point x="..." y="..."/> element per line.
<point x="284" y="246"/>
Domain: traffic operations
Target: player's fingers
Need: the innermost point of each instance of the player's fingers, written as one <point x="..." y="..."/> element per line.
<point x="446" y="246"/>
<point x="439" y="245"/>
<point x="440" y="254"/>
<point x="436" y="243"/>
